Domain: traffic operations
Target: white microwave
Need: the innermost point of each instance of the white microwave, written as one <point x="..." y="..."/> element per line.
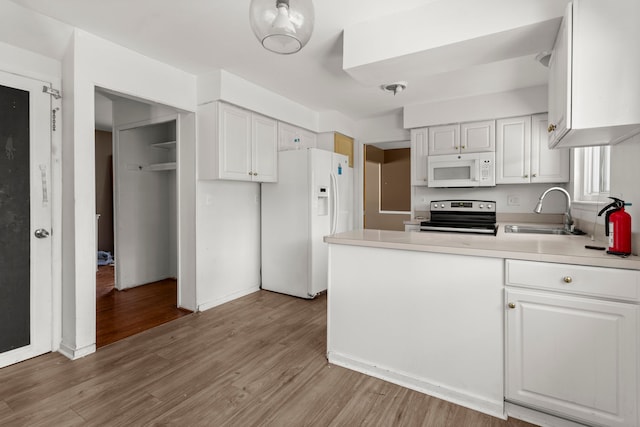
<point x="462" y="170"/>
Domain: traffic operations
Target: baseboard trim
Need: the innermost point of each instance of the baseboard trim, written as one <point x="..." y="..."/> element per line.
<point x="76" y="353"/>
<point x="489" y="407"/>
<point x="230" y="297"/>
<point x="536" y="417"/>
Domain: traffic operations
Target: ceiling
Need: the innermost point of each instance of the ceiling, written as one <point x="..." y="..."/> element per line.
<point x="199" y="36"/>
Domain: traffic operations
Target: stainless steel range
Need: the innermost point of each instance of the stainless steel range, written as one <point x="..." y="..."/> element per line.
<point x="462" y="216"/>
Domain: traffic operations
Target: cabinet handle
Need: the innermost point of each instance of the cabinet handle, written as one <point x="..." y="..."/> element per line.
<point x="534" y="175"/>
<point x="551" y="128"/>
<point x="512" y="305"/>
<point x="567" y="279"/>
<point x="255" y="174"/>
<point x="526" y="176"/>
<point x="463" y="147"/>
<point x="455" y="147"/>
<point x="250" y="173"/>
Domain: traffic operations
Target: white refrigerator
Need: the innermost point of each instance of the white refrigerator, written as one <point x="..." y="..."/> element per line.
<point x="312" y="198"/>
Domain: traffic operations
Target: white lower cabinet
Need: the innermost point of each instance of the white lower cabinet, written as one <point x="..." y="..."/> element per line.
<point x="571" y="355"/>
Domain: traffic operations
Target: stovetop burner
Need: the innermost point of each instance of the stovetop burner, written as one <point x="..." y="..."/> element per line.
<point x="462" y="216"/>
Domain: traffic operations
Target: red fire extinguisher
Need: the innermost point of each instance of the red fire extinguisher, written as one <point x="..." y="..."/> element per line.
<point x="617" y="225"/>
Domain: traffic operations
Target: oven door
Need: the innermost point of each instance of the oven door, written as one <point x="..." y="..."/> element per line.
<point x="457" y="170"/>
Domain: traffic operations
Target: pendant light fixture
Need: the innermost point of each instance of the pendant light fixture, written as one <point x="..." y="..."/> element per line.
<point x="282" y="26"/>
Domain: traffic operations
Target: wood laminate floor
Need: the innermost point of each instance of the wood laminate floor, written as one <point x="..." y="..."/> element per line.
<point x="120" y="314"/>
<point x="256" y="361"/>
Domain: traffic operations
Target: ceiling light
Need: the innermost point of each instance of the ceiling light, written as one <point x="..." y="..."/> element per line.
<point x="395" y="88"/>
<point x="543" y="58"/>
<point x="282" y="26"/>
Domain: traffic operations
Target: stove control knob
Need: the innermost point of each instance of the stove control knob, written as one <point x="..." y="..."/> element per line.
<point x="481" y="206"/>
<point x="442" y="205"/>
<point x="488" y="206"/>
<point x="435" y="206"/>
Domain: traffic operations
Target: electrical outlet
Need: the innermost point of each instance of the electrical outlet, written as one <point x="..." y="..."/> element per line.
<point x="513" y="200"/>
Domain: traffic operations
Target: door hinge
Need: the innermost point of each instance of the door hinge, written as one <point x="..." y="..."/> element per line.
<point x="51" y="91"/>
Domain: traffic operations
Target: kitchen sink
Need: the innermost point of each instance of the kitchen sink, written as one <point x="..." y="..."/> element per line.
<point x="528" y="229"/>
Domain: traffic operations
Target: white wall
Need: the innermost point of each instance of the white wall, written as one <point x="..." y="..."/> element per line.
<point x="387" y="128"/>
<point x="625" y="176"/>
<point x="527" y="194"/>
<point x="228" y="241"/>
<point x="225" y="86"/>
<point x="145" y="206"/>
<point x="519" y="102"/>
<point x="222" y="85"/>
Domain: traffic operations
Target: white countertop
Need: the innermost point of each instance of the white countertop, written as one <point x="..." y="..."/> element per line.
<point x="531" y="247"/>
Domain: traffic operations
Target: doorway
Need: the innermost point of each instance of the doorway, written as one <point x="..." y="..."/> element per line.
<point x="387" y="186"/>
<point x="26" y="315"/>
<point x="136" y="287"/>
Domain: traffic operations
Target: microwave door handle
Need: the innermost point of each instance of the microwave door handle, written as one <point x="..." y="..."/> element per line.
<point x="475" y="171"/>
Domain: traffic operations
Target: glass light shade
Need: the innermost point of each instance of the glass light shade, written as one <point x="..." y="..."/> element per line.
<point x="282" y="26"/>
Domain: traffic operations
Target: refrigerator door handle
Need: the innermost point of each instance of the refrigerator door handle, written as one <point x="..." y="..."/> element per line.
<point x="334" y="203"/>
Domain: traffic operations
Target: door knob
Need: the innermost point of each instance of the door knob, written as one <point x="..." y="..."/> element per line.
<point x="551" y="128"/>
<point x="41" y="233"/>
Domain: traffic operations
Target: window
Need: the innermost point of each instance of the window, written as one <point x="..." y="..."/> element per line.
<point x="591" y="173"/>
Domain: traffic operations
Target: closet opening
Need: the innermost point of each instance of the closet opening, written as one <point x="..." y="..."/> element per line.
<point x="136" y="216"/>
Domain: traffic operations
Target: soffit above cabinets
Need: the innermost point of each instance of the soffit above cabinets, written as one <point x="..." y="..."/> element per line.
<point x="463" y="39"/>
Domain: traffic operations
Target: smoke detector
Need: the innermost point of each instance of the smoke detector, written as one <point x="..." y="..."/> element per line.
<point x="394" y="88"/>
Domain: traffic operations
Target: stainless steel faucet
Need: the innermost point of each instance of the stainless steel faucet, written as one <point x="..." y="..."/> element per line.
<point x="568" y="221"/>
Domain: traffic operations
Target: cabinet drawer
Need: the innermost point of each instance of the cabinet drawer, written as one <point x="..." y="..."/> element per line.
<point x="575" y="279"/>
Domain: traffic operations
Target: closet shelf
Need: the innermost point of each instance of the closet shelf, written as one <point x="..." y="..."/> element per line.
<point x="164" y="145"/>
<point x="160" y="167"/>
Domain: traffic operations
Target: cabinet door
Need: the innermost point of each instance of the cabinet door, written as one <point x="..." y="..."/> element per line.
<point x="308" y="139"/>
<point x="344" y="145"/>
<point x="513" y="150"/>
<point x="573" y="356"/>
<point x="560" y="71"/>
<point x="444" y="140"/>
<point x="264" y="147"/>
<point x="547" y="165"/>
<point x="287" y="137"/>
<point x="478" y="137"/>
<point x="235" y="143"/>
<point x="419" y="150"/>
<point x="293" y="138"/>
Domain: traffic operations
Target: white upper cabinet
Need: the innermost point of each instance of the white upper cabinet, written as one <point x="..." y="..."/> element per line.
<point x="471" y="137"/>
<point x="236" y="144"/>
<point x="444" y="139"/>
<point x="264" y="148"/>
<point x="522" y="153"/>
<point x="547" y="165"/>
<point x="419" y="151"/>
<point x="294" y="138"/>
<point x="513" y="150"/>
<point x="593" y="75"/>
<point x="234" y="140"/>
<point x="477" y="137"/>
